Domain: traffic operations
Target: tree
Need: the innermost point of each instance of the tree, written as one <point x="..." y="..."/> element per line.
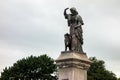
<point x="118" y="79"/>
<point x="41" y="67"/>
<point x="97" y="71"/>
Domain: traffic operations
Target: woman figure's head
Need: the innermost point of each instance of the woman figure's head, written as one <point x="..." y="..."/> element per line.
<point x="73" y="11"/>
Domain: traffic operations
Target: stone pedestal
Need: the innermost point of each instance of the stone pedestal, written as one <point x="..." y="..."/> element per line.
<point x="72" y="66"/>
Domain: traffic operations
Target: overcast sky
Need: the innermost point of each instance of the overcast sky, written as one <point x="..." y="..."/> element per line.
<point x="35" y="27"/>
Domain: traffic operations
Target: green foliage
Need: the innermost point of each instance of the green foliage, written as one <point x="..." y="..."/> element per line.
<point x="97" y="71"/>
<point x="41" y="67"/>
<point x="118" y="79"/>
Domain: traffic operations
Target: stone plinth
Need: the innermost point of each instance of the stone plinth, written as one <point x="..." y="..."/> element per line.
<point x="73" y="66"/>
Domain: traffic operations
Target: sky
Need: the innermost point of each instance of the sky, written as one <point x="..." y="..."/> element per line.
<point x="36" y="27"/>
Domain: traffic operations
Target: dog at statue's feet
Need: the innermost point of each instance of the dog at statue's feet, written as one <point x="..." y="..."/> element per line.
<point x="67" y="41"/>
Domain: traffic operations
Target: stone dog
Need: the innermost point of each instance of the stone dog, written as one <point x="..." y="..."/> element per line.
<point x="67" y="41"/>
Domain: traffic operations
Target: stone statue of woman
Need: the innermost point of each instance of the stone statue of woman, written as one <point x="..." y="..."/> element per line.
<point x="75" y="22"/>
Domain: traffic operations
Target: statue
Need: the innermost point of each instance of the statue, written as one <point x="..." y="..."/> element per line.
<point x="75" y="23"/>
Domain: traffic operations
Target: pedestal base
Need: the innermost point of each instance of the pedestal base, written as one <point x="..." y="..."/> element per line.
<point x="73" y="66"/>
